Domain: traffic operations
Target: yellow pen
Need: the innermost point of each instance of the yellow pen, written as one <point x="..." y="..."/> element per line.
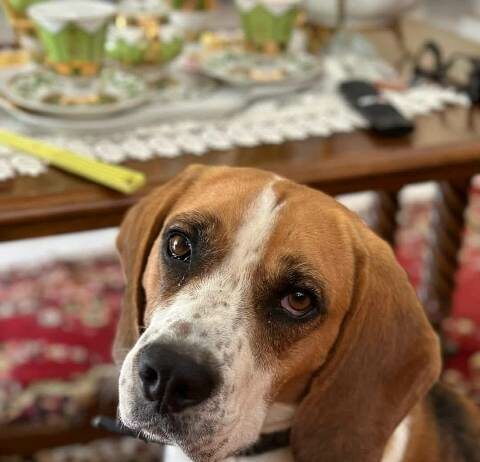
<point x="119" y="178"/>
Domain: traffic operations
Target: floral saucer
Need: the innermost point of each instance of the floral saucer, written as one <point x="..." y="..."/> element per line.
<point x="45" y="92"/>
<point x="244" y="68"/>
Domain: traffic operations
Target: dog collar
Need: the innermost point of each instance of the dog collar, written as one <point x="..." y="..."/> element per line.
<point x="266" y="443"/>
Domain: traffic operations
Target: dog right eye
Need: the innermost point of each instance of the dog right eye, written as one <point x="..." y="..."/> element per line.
<point x="179" y="247"/>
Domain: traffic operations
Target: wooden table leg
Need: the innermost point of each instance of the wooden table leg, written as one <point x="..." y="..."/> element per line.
<point x="384" y="215"/>
<point x="441" y="259"/>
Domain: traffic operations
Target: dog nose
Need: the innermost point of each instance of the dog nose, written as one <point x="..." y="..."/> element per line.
<point x="173" y="379"/>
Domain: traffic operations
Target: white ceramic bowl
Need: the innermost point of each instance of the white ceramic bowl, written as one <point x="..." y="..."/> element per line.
<point x="360" y="13"/>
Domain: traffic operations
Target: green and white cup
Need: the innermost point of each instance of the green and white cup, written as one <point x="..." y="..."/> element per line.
<point x="268" y="24"/>
<point x="73" y="34"/>
<point x="131" y="46"/>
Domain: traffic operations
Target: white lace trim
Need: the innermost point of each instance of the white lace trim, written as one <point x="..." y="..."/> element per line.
<point x="312" y="114"/>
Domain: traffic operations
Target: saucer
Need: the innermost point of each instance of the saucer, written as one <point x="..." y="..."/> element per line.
<point x="45" y="92"/>
<point x="244" y="68"/>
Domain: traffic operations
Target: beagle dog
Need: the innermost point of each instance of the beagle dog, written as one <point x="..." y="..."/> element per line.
<point x="263" y="321"/>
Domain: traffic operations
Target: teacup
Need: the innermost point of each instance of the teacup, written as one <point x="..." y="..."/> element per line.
<point x="73" y="34"/>
<point x="134" y="45"/>
<point x="268" y="24"/>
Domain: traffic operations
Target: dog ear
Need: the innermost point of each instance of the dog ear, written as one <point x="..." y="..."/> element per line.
<point x="138" y="231"/>
<point x="384" y="360"/>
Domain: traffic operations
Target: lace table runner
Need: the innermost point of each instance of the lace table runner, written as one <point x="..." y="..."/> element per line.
<point x="317" y="112"/>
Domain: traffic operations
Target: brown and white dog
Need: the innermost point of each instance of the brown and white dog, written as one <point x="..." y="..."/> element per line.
<point x="262" y="314"/>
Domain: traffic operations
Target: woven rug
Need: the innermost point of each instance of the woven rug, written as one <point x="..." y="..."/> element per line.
<point x="57" y="324"/>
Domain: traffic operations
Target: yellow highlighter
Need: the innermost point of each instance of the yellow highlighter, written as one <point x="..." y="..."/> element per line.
<point x="119" y="178"/>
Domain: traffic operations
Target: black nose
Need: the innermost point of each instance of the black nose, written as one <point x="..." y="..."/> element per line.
<point x="174" y="380"/>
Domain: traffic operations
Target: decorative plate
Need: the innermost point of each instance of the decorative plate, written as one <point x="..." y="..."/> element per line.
<point x="42" y="91"/>
<point x="242" y="68"/>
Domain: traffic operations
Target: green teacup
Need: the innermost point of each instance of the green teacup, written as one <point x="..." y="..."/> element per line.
<point x="73" y="34"/>
<point x="268" y="24"/>
<point x="130" y="45"/>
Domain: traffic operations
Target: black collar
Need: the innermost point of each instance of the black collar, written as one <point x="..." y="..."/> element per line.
<point x="266" y="443"/>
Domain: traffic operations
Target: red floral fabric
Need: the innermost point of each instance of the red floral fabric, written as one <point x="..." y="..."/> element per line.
<point x="56" y="328"/>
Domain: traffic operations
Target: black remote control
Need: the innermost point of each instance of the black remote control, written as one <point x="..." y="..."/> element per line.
<point x="384" y="118"/>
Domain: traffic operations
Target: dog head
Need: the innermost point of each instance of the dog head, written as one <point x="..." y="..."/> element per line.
<point x="245" y="289"/>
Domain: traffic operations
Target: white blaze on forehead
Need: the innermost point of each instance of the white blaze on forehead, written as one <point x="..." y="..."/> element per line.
<point x="255" y="229"/>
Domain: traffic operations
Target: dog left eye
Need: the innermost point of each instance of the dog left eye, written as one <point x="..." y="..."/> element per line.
<point x="297" y="303"/>
<point x="179" y="247"/>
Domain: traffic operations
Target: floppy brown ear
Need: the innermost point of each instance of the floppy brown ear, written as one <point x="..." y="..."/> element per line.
<point x="385" y="359"/>
<point x="138" y="231"/>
